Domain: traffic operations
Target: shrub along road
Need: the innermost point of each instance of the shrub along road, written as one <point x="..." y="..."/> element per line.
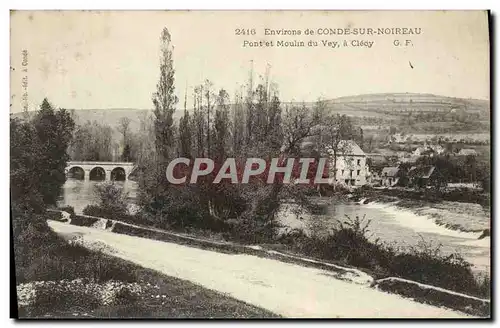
<point x="285" y="289"/>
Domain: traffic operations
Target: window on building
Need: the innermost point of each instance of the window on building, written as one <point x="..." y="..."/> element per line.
<point x="358" y="172"/>
<point x="359" y="162"/>
<point x="342" y="172"/>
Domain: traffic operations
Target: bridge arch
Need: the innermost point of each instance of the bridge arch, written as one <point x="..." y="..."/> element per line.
<point x="76" y="172"/>
<point x="102" y="170"/>
<point x="118" y="174"/>
<point x="97" y="174"/>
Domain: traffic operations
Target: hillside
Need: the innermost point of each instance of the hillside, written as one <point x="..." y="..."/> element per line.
<point x="111" y="116"/>
<point x="430" y="112"/>
<point x="399" y="103"/>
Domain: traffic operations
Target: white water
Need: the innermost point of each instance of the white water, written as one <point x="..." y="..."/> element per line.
<point x="394" y="225"/>
<point x="420" y="223"/>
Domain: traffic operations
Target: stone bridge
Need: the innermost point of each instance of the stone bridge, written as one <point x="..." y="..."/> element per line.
<point x="119" y="171"/>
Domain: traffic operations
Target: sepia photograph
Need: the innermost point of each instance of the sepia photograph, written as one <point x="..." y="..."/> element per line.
<point x="201" y="164"/>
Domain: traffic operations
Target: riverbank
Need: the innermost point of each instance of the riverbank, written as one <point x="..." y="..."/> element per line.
<point x="276" y="285"/>
<point x="403" y="228"/>
<point x="60" y="277"/>
<point x="376" y="259"/>
<point x="389" y="225"/>
<point x="457" y="215"/>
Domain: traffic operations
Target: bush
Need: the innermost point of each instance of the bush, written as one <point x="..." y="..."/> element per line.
<point x="50" y="299"/>
<point x="112" y="205"/>
<point x="365" y="188"/>
<point x="339" y="188"/>
<point x="183" y="209"/>
<point x="293" y="236"/>
<point x="56" y="216"/>
<point x="349" y="245"/>
<point x="83" y="221"/>
<point x="63" y="261"/>
<point x="425" y="263"/>
<point x="40" y="254"/>
<point x="254" y="230"/>
<point x="112" y="198"/>
<point x="69" y="209"/>
<point x="95" y="210"/>
<point x="125" y="296"/>
<point x="98" y="211"/>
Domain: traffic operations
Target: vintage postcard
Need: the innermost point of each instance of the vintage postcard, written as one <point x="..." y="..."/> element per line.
<point x="250" y="164"/>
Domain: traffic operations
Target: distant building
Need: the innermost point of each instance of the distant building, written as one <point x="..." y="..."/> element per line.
<point x="389" y="176"/>
<point x="428" y="175"/>
<point x="400" y="138"/>
<point x="467" y="152"/>
<point x="377" y="159"/>
<point x="438" y="149"/>
<point x="429" y="150"/>
<point x="409" y="159"/>
<point x="351" y="167"/>
<point x="419" y="151"/>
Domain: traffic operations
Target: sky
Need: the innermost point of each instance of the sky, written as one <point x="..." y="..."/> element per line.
<point x="110" y="59"/>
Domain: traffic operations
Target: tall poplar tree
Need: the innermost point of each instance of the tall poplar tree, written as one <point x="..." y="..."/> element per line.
<point x="164" y="101"/>
<point x="185" y="127"/>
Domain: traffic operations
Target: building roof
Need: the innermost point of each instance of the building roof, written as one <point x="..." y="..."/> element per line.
<point x="410" y="159"/>
<point x="348" y="147"/>
<point x="424" y="150"/>
<point x="375" y="155"/>
<point x="421" y="171"/>
<point x="389" y="171"/>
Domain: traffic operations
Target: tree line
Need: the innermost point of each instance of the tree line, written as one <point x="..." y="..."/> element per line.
<point x="254" y="123"/>
<point x="38" y="157"/>
<point x="94" y="141"/>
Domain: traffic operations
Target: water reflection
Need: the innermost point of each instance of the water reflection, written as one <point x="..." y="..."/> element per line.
<point x="80" y="193"/>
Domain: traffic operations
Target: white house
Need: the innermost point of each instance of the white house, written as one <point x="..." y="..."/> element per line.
<point x="389" y="176"/>
<point x="350" y="167"/>
<point x="429" y="150"/>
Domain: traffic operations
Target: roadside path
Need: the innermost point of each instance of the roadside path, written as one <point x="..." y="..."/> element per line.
<point x="286" y="289"/>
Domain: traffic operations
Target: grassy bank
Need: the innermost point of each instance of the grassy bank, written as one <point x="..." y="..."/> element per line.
<point x="58" y="279"/>
<point x="348" y="246"/>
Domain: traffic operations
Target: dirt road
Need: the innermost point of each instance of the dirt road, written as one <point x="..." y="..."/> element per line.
<point x="286" y="289"/>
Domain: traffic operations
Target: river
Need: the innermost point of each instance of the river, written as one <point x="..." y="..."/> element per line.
<point x="80" y="193"/>
<point x="388" y="223"/>
<point x="397" y="226"/>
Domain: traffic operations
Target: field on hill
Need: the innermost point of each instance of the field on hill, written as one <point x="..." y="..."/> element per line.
<point x="422" y="114"/>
